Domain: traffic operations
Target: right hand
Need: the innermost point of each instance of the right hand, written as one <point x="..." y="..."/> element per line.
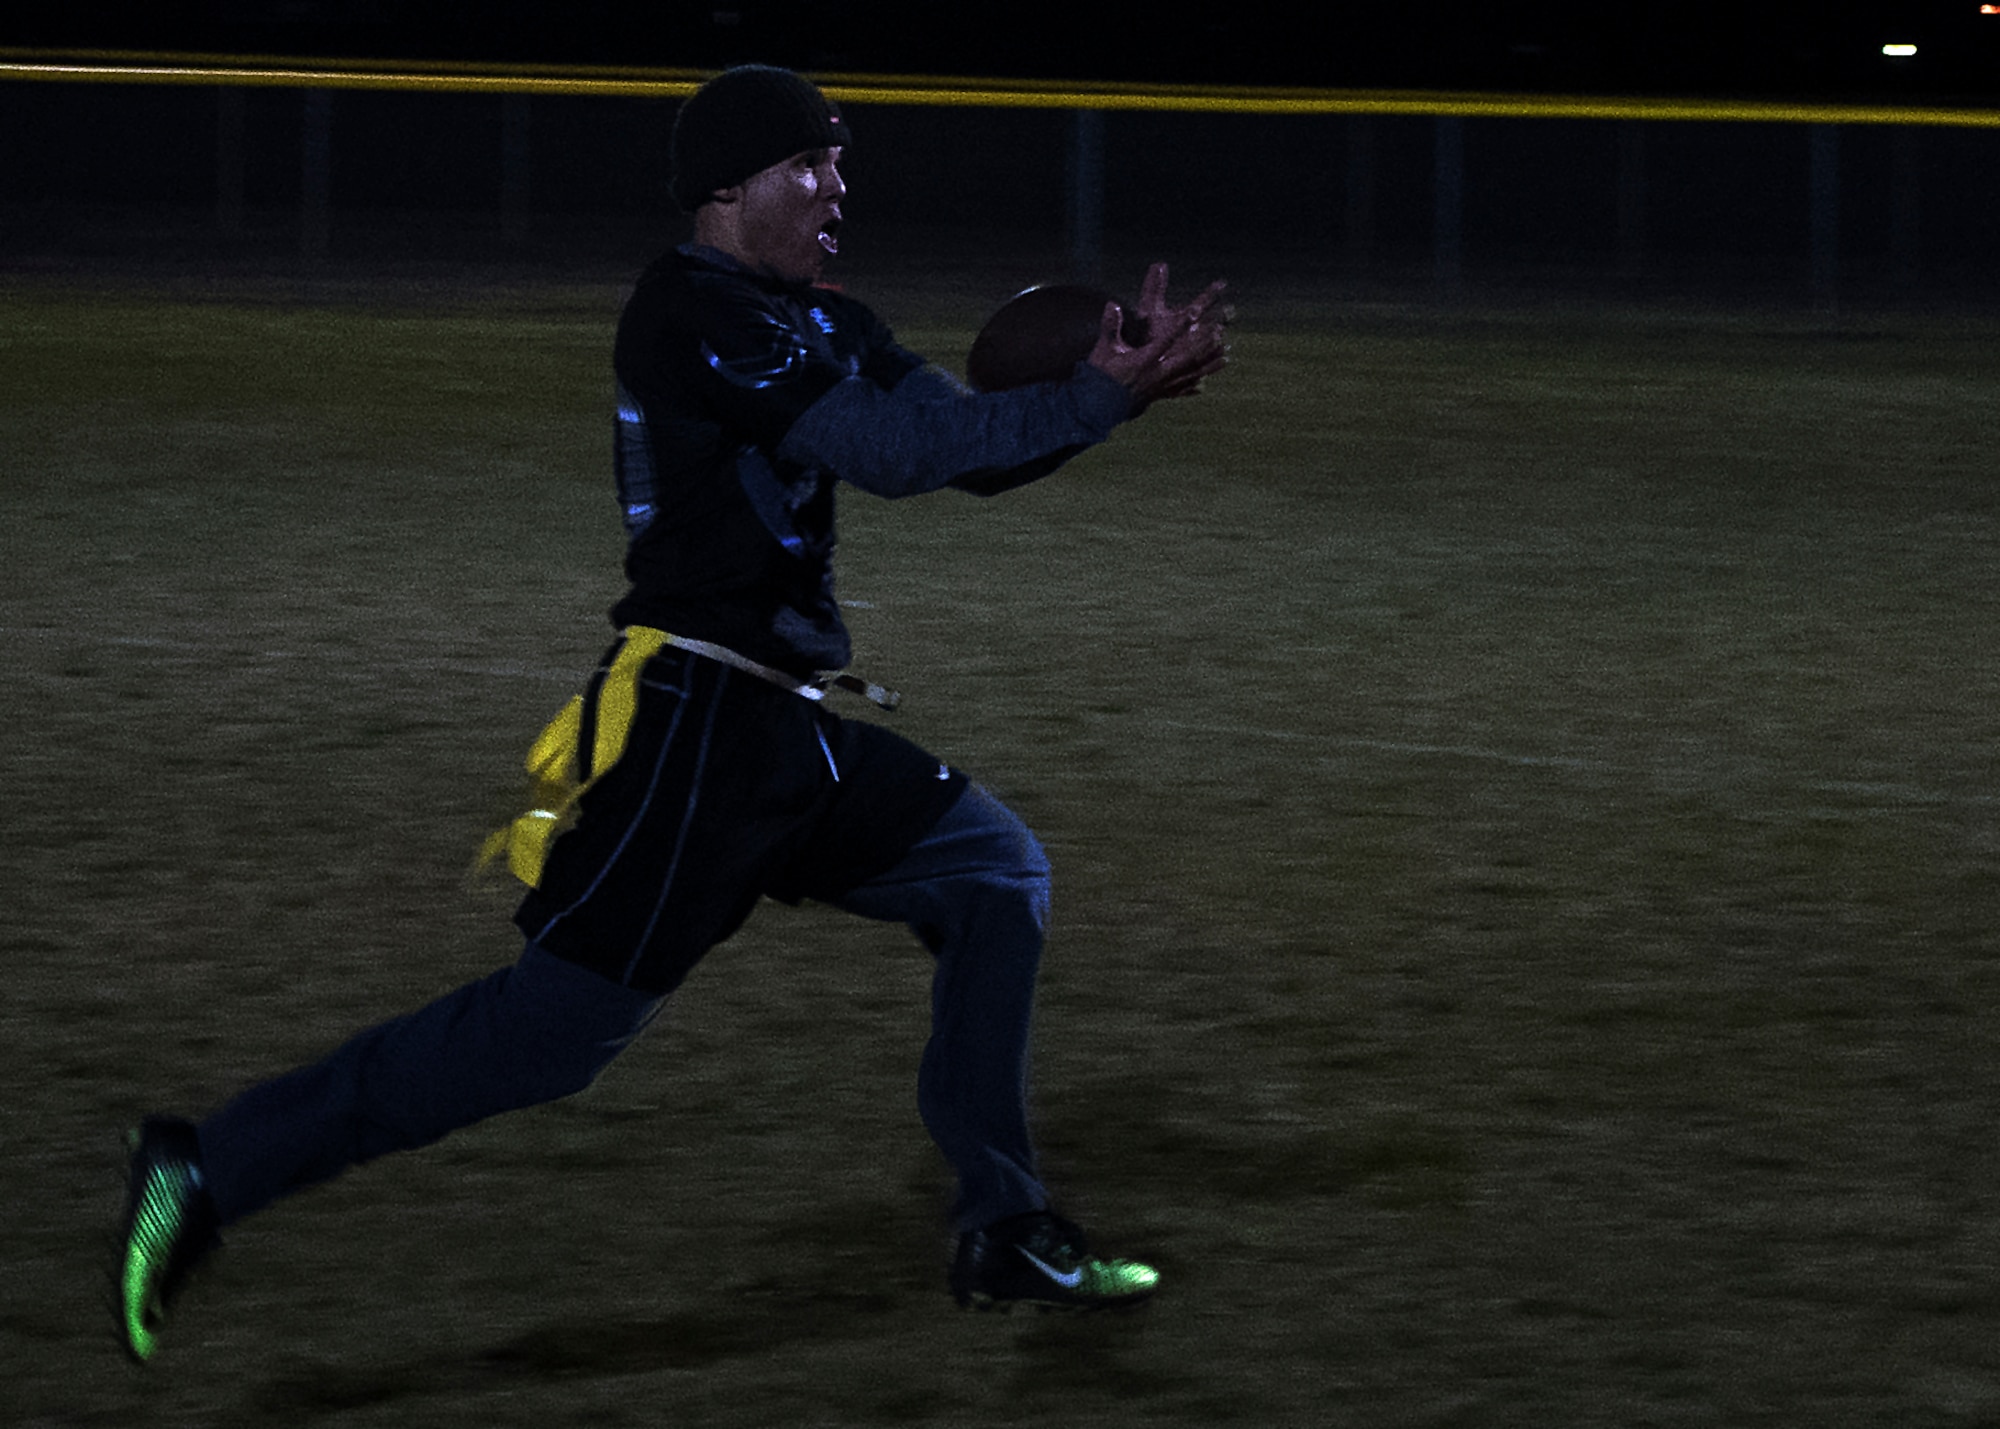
<point x="1183" y="345"/>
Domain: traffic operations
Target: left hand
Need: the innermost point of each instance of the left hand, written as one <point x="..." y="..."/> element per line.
<point x="1183" y="345"/>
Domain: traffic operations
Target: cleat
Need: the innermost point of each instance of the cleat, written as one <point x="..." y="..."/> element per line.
<point x="1042" y="1260"/>
<point x="170" y="1226"/>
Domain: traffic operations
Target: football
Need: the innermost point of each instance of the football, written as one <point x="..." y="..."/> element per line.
<point x="1041" y="334"/>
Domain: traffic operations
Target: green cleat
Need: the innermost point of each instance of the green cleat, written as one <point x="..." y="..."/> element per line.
<point x="170" y="1225"/>
<point x="1043" y="1260"/>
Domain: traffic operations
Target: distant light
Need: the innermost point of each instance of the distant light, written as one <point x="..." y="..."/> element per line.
<point x="1899" y="52"/>
<point x="1989" y="9"/>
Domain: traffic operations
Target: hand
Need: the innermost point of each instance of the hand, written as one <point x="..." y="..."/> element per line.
<point x="1183" y="345"/>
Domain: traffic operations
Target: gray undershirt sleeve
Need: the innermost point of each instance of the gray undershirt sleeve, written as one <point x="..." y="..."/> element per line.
<point x="927" y="431"/>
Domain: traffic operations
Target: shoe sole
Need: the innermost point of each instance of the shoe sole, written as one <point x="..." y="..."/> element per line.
<point x="145" y="1312"/>
<point x="1008" y="1305"/>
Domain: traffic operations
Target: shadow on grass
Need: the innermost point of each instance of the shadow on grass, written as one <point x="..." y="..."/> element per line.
<point x="575" y="1351"/>
<point x="1074" y="1364"/>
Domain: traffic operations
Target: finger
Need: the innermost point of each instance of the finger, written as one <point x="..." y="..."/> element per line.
<point x="1202" y="315"/>
<point x="1198" y="343"/>
<point x="1196" y="361"/>
<point x="1110" y="327"/>
<point x="1160" y="335"/>
<point x="1153" y="290"/>
<point x="1204" y="360"/>
<point x="1205" y="302"/>
<point x="1209" y="365"/>
<point x="1187" y="384"/>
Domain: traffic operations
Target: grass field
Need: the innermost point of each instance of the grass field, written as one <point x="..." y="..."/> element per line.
<point x="1522" y="790"/>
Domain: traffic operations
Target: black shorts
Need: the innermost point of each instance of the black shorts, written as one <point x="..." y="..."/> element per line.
<point x="728" y="789"/>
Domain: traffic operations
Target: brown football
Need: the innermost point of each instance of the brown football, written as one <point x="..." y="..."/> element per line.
<point x="1041" y="334"/>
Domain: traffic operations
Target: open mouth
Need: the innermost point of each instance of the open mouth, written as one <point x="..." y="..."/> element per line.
<point x="829" y="234"/>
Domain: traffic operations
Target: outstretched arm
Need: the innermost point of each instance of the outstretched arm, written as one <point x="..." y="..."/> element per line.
<point x="927" y="432"/>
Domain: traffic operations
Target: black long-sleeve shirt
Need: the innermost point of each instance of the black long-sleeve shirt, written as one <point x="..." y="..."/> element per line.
<point x="742" y="401"/>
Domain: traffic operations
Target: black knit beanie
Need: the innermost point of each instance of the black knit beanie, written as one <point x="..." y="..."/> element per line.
<point x="742" y="122"/>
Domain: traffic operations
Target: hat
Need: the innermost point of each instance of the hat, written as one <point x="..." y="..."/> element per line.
<point x="743" y="121"/>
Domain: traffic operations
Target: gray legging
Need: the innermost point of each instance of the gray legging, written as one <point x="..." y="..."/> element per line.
<point x="975" y="890"/>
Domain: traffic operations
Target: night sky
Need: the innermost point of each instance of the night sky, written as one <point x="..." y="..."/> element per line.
<point x="1709" y="47"/>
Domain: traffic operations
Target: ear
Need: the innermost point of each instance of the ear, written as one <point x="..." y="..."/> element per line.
<point x="732" y="194"/>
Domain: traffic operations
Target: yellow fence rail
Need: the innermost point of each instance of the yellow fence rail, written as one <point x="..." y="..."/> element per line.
<point x="267" y="71"/>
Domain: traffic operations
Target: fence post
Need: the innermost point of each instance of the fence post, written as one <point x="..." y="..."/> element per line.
<point x="1824" y="145"/>
<point x="1086" y="195"/>
<point x="1360" y="192"/>
<point x="1631" y="198"/>
<point x="514" y="168"/>
<point x="1448" y="207"/>
<point x="1905" y="214"/>
<point x="316" y="176"/>
<point x="229" y="126"/>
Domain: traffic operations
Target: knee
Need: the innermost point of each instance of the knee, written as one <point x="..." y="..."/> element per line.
<point x="577" y="1021"/>
<point x="1014" y="862"/>
<point x="1032" y="881"/>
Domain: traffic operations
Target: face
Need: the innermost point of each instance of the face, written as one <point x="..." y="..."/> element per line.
<point x="787" y="220"/>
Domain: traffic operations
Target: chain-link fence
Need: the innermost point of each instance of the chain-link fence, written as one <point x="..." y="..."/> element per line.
<point x="1445" y="194"/>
